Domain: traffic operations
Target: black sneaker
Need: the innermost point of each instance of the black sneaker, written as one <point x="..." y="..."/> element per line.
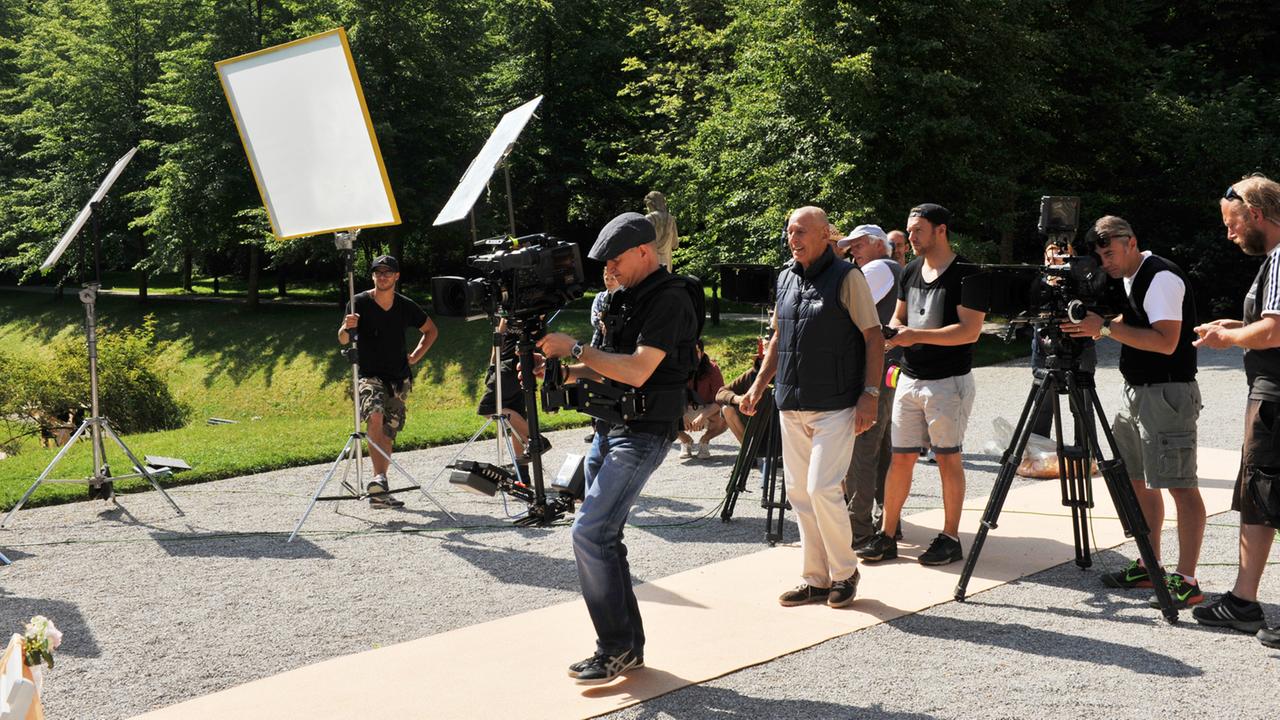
<point x="379" y="499"/>
<point x="881" y="547"/>
<point x="1133" y="576"/>
<point x="942" y="551"/>
<point x="1184" y="594"/>
<point x="1230" y="611"/>
<point x="897" y="534"/>
<point x="543" y="445"/>
<point x="842" y="591"/>
<point x="576" y="669"/>
<point x="601" y="668"/>
<point x="803" y="595"/>
<point x="1269" y="637"/>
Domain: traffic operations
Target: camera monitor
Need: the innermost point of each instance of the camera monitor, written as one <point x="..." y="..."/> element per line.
<point x="305" y="127"/>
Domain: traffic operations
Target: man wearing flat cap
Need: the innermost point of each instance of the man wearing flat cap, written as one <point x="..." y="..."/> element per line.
<point x="379" y="317"/>
<point x="1155" y="428"/>
<point x="826" y="352"/>
<point x="872" y="250"/>
<point x="648" y="349"/>
<point x="935" y="386"/>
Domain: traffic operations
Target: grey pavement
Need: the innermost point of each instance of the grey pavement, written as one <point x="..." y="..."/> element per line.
<point x="158" y="609"/>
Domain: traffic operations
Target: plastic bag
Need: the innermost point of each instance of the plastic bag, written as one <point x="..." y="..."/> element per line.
<point x="1039" y="459"/>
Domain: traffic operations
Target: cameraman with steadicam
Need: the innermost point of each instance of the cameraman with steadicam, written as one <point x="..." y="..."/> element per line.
<point x="648" y="347"/>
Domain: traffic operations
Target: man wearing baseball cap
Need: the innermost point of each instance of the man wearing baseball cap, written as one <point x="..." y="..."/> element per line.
<point x="648" y="351"/>
<point x="935" y="387"/>
<point x="872" y="250"/>
<point x="1155" y="428"/>
<point x="377" y="319"/>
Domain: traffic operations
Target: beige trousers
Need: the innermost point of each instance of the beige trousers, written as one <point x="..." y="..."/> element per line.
<point x="816" y="448"/>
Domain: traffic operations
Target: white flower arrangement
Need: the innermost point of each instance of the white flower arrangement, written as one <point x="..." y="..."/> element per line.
<point x="39" y="639"/>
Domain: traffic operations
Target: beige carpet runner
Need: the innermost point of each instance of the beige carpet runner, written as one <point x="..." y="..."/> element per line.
<point x="701" y="624"/>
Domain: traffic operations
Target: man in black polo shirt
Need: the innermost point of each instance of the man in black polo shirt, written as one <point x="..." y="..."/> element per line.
<point x="1155" y="429"/>
<point x="935" y="388"/>
<point x="1251" y="213"/>
<point x="380" y="317"/>
<point x="648" y="348"/>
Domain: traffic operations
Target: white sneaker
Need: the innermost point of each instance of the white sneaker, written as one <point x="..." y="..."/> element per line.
<point x="686" y="450"/>
<point x="704" y="450"/>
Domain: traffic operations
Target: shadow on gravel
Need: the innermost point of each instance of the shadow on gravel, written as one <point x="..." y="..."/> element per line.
<point x="78" y="637"/>
<point x="1026" y="639"/>
<point x="516" y="567"/>
<point x="700" y="701"/>
<point x="249" y="546"/>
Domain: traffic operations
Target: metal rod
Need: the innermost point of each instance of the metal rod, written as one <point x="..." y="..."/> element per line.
<point x="511" y="210"/>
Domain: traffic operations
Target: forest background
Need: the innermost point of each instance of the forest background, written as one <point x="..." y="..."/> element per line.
<point x="738" y="110"/>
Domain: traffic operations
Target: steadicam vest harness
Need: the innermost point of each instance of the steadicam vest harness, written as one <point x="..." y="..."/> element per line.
<point x="625" y="314"/>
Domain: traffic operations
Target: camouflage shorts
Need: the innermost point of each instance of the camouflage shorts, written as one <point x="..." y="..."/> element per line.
<point x="377" y="398"/>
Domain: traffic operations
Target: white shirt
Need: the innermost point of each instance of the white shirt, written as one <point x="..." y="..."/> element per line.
<point x="1164" y="297"/>
<point x="879" y="278"/>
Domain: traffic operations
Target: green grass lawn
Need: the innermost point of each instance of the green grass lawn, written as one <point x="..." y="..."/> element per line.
<point x="278" y="374"/>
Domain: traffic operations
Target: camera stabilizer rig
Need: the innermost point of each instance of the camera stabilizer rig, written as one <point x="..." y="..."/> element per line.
<point x="1060" y="295"/>
<point x="522" y="281"/>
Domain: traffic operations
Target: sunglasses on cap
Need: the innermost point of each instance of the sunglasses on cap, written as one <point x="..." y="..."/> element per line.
<point x="1105" y="240"/>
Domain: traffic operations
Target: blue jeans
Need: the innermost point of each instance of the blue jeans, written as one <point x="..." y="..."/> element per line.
<point x="616" y="471"/>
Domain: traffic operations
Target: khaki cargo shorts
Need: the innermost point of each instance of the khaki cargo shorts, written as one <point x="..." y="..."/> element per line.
<point x="1155" y="430"/>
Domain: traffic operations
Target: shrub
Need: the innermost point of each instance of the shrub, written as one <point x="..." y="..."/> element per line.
<point x="131" y="392"/>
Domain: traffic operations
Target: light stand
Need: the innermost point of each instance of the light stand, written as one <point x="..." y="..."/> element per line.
<point x="350" y="455"/>
<point x="101" y="482"/>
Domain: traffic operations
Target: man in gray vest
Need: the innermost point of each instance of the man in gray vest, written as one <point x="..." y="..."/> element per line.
<point x="872" y="250"/>
<point x="1155" y="428"/>
<point x="827" y="352"/>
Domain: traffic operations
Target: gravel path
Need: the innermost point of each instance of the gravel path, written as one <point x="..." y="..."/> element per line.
<point x="157" y="608"/>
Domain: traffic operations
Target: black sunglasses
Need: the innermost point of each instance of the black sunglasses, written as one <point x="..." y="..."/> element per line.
<point x="1105" y="240"/>
<point x="1231" y="194"/>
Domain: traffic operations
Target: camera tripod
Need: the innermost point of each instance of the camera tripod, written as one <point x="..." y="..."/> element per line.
<point x="761" y="442"/>
<point x="1063" y="376"/>
<point x="349" y="456"/>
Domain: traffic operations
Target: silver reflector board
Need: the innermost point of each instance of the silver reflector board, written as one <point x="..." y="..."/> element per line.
<point x="305" y="127"/>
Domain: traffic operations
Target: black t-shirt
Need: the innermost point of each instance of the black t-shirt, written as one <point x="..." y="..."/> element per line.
<point x="665" y="322"/>
<point x="380" y="335"/>
<point x="932" y="305"/>
<point x="1262" y="367"/>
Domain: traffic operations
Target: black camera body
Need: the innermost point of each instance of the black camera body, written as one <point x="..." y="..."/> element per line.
<point x="523" y="277"/>
<point x="1042" y="295"/>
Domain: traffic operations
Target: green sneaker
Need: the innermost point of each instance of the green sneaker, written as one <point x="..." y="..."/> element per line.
<point x="1133" y="576"/>
<point x="1184" y="594"/>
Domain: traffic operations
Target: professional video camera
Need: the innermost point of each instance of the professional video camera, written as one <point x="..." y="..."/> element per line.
<point x="522" y="277"/>
<point x="1051" y="294"/>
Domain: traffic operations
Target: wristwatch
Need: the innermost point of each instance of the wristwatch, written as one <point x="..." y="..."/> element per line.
<point x="576" y="351"/>
<point x="872" y="390"/>
<point x="1105" y="330"/>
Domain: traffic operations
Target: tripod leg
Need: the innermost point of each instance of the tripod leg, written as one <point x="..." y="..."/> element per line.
<point x="746" y="460"/>
<point x="1004" y="480"/>
<point x="141" y="466"/>
<point x="347" y="450"/>
<point x="1125" y="499"/>
<point x="470" y="441"/>
<point x="4" y="560"/>
<point x="47" y="470"/>
<point x="773" y="446"/>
